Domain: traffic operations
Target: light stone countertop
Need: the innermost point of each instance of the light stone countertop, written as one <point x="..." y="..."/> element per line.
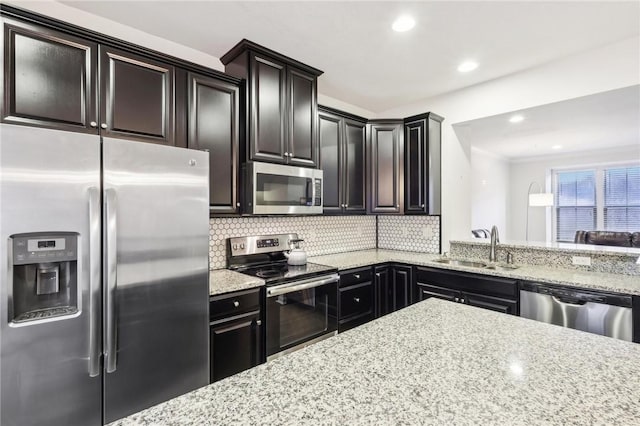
<point x="569" y="277"/>
<point x="434" y="362"/>
<point x="224" y="281"/>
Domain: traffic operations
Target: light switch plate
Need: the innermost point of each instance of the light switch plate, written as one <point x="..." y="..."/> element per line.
<point x="581" y="260"/>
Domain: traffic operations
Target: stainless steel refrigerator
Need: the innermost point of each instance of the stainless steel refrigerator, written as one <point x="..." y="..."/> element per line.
<point x="104" y="269"/>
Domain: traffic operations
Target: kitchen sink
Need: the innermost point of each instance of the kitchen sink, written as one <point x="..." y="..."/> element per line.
<point x="502" y="267"/>
<point x="474" y="264"/>
<point x="468" y="263"/>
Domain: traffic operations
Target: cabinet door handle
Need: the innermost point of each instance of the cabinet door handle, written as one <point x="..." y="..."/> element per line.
<point x="461" y="300"/>
<point x="357" y="276"/>
<point x="104" y="125"/>
<point x="259" y="322"/>
<point x="236" y="303"/>
<point x="422" y="206"/>
<point x="397" y="206"/>
<point x="346" y="205"/>
<point x="456" y="299"/>
<point x="356" y="299"/>
<point x="286" y="154"/>
<point x="237" y="204"/>
<point x="93" y="124"/>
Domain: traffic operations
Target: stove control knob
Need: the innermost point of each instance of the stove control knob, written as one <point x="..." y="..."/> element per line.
<point x="235" y="247"/>
<point x="242" y="246"/>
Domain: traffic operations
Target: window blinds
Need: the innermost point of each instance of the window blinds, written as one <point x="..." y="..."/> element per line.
<point x="575" y="201"/>
<point x="622" y="199"/>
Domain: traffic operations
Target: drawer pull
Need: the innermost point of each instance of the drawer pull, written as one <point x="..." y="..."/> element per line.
<point x="236" y="303"/>
<point x="356" y="299"/>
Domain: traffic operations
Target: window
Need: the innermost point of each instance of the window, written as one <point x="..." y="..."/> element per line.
<point x="575" y="200"/>
<point x="622" y="199"/>
<point x="603" y="198"/>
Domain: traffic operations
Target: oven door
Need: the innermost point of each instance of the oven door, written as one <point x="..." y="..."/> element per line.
<point x="278" y="189"/>
<point x="301" y="313"/>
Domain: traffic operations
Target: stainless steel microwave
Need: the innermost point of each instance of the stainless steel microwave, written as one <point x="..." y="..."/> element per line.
<point x="278" y="189"/>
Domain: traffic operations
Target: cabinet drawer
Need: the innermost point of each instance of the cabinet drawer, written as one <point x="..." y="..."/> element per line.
<point x="356" y="300"/>
<point x="355" y="276"/>
<point x="426" y="291"/>
<point x="463" y="281"/>
<point x="231" y="304"/>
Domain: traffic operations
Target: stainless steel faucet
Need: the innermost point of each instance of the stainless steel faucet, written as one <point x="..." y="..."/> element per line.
<point x="495" y="239"/>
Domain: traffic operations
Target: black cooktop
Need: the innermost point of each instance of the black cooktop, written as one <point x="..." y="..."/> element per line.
<point x="281" y="272"/>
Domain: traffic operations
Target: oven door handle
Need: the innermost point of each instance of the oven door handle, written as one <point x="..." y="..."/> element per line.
<point x="301" y="285"/>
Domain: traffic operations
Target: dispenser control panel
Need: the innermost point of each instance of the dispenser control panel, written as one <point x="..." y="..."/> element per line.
<point x="41" y="248"/>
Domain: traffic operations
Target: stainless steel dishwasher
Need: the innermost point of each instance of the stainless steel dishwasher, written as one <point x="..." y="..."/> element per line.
<point x="599" y="313"/>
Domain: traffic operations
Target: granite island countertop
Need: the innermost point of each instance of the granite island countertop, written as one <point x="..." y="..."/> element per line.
<point x="434" y="362"/>
<point x="224" y="281"/>
<point x="569" y="277"/>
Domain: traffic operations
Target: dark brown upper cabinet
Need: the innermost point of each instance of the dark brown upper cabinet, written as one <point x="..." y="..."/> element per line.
<point x="386" y="161"/>
<point x="136" y="97"/>
<point x="49" y="78"/>
<point x="343" y="160"/>
<point x="422" y="136"/>
<point x="52" y="81"/>
<point x="213" y="122"/>
<point x="281" y="104"/>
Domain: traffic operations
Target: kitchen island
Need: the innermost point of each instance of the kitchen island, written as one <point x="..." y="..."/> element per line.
<point x="434" y="362"/>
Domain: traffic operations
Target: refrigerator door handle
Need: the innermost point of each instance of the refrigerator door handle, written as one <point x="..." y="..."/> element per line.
<point x="110" y="279"/>
<point x="94" y="281"/>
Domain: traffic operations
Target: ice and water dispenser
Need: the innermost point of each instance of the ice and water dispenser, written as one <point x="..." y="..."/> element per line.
<point x="45" y="280"/>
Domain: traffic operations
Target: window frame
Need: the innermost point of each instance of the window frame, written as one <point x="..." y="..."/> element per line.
<point x="599" y="170"/>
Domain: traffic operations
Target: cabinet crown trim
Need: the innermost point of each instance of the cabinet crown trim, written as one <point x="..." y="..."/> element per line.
<point x="424" y="116"/>
<point x="329" y="110"/>
<point x="245" y="45"/>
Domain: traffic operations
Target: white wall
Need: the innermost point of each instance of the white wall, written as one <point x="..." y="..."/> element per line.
<point x="610" y="67"/>
<point x="489" y="191"/>
<point x="522" y="173"/>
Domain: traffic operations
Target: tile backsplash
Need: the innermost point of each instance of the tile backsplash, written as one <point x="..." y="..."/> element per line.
<point x="322" y="234"/>
<point x="410" y="233"/>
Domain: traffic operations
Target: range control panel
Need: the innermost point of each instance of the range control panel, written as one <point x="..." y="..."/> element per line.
<point x="242" y="246"/>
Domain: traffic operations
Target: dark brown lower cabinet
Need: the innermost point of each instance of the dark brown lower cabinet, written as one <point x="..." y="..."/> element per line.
<point x="496" y="294"/>
<point x="356" y="298"/>
<point x="393" y="288"/>
<point x="236" y="333"/>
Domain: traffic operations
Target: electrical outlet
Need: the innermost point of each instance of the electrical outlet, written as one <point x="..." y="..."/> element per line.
<point x="427" y="232"/>
<point x="581" y="260"/>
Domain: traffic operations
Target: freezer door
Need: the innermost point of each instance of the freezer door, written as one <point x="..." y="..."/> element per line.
<point x="49" y="360"/>
<point x="156" y="246"/>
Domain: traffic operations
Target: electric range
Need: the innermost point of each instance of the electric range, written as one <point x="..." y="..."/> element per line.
<point x="301" y="302"/>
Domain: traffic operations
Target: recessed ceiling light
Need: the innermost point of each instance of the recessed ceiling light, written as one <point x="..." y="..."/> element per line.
<point x="403" y="23"/>
<point x="467" y="66"/>
<point x="556" y="147"/>
<point x="516" y="119"/>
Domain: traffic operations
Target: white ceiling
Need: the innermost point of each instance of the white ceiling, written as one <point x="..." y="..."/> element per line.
<point x="606" y="120"/>
<point x="365" y="62"/>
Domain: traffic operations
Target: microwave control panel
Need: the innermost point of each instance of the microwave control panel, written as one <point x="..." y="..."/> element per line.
<point x="317" y="200"/>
